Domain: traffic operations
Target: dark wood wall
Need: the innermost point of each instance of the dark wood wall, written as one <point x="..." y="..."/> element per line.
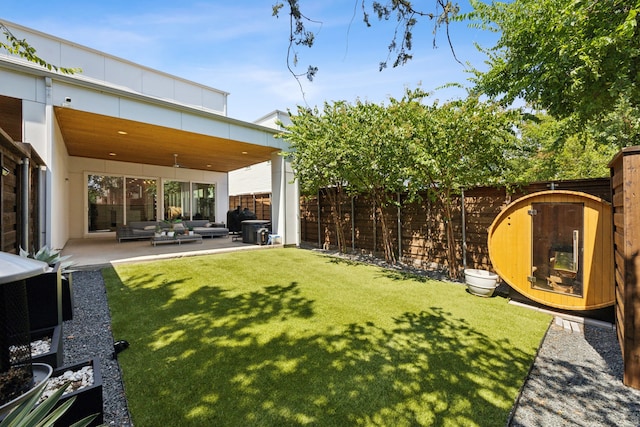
<point x="12" y="184"/>
<point x="625" y="185"/>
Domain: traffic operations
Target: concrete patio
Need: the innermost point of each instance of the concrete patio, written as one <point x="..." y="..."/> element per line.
<point x="102" y="251"/>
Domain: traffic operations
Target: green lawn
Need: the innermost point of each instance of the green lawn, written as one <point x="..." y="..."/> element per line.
<point x="289" y="337"/>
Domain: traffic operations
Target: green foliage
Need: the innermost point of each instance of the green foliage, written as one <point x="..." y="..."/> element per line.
<point x="24" y="50"/>
<point x="579" y="57"/>
<point x="51" y="257"/>
<point x="405" y="146"/>
<point x="459" y="144"/>
<point x="556" y="151"/>
<point x="32" y="414"/>
<point x="289" y="337"/>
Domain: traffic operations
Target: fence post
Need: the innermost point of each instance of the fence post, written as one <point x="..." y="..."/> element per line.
<point x="399" y="230"/>
<point x="353" y="224"/>
<point x="375" y="228"/>
<point x="464" y="231"/>
<point x="319" y="223"/>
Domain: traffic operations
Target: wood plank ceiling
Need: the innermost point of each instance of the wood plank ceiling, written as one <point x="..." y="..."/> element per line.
<point x="101" y="137"/>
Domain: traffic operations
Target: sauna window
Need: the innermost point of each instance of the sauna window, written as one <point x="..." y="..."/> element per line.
<point x="557" y="237"/>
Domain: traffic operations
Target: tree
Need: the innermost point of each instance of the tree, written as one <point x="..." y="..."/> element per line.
<point x="406" y="146"/>
<point x="555" y="151"/>
<point x="404" y="12"/>
<point x="577" y="57"/>
<point x="317" y="153"/>
<point x="23" y="49"/>
<point x="357" y="147"/>
<point x="460" y="144"/>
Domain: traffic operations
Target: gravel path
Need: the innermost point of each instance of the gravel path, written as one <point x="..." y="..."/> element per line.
<point x="88" y="336"/>
<point x="576" y="379"/>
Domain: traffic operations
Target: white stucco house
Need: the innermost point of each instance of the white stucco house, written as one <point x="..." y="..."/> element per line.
<point x="122" y="142"/>
<point x="255" y="179"/>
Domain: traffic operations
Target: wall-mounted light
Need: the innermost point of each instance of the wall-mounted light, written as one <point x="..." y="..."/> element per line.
<point x="5" y="171"/>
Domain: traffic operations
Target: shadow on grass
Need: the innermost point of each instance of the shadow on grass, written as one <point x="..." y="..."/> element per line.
<point x="219" y="358"/>
<point x="389" y="272"/>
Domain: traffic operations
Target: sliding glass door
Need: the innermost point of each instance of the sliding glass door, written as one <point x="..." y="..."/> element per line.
<point x="106" y="201"/>
<point x="189" y="200"/>
<point x="204" y="201"/>
<point x="116" y="200"/>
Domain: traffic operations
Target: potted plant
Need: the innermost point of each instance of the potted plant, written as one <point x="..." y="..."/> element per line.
<point x="50" y="295"/>
<point x="30" y="413"/>
<point x="88" y="399"/>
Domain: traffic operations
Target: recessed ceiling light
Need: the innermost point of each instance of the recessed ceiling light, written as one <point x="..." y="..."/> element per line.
<point x="244" y="152"/>
<point x="121" y="132"/>
<point x="112" y="154"/>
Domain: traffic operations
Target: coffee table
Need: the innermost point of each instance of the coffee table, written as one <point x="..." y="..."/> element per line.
<point x="179" y="239"/>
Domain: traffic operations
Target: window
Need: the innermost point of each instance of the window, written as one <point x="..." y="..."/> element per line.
<point x="114" y="200"/>
<point x="141" y="199"/>
<point x="189" y="200"/>
<point x="204" y="201"/>
<point x="105" y="202"/>
<point x="117" y="200"/>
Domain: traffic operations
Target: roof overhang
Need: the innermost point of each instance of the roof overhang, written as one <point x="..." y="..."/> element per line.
<point x="110" y="138"/>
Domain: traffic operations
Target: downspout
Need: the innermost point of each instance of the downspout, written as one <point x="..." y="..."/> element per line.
<point x="26" y="191"/>
<point x="42" y="206"/>
<point x="464" y="232"/>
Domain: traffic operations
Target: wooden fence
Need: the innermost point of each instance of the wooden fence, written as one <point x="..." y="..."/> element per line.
<point x="421" y="225"/>
<point x="260" y="204"/>
<point x="14" y="187"/>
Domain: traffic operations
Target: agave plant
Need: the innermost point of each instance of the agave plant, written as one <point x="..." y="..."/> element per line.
<point x="51" y="257"/>
<point x="30" y="414"/>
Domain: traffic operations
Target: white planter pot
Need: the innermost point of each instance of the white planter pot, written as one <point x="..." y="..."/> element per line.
<point x="480" y="282"/>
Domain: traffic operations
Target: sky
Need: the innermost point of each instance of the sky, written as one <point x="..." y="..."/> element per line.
<point x="240" y="48"/>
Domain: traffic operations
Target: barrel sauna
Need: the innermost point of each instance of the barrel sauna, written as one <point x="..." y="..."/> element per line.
<point x="556" y="248"/>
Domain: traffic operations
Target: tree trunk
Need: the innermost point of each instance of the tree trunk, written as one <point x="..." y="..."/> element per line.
<point x="451" y="241"/>
<point x="387" y="243"/>
<point x="335" y="195"/>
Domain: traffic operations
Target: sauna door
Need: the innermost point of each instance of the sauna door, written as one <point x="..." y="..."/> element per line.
<point x="557" y="247"/>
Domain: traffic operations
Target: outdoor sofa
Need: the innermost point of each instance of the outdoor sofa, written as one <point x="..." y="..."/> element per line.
<point x="146" y="229"/>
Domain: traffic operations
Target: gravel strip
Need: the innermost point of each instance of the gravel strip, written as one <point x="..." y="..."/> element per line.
<point x="88" y="336"/>
<point x="576" y="378"/>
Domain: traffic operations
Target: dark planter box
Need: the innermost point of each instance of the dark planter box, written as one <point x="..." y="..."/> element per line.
<point x="44" y="299"/>
<point x="55" y="356"/>
<point x="67" y="296"/>
<point x="88" y="400"/>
